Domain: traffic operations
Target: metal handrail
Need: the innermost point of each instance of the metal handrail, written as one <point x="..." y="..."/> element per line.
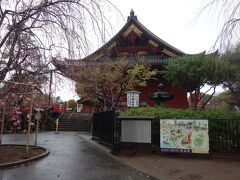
<point x="69" y="117"/>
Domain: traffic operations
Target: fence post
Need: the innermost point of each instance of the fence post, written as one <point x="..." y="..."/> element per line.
<point x="116" y="134"/>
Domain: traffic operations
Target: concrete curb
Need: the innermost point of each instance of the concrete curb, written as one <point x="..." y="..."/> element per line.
<point x="108" y="152"/>
<point x="16" y="163"/>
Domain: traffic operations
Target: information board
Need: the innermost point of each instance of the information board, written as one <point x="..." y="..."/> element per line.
<point x="138" y="131"/>
<point x="184" y="136"/>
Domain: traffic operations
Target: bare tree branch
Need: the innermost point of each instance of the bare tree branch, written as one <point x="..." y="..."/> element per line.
<point x="229" y="12"/>
<point x="32" y="31"/>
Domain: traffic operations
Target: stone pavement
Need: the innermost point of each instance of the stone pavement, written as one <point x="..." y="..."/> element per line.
<point x="71" y="158"/>
<point x="76" y="156"/>
<point x="180" y="168"/>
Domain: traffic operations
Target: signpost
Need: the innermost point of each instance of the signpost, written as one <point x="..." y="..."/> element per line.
<point x="184" y="136"/>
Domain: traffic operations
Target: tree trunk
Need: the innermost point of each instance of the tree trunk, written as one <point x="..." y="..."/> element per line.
<point x="196" y="94"/>
<point x="205" y="103"/>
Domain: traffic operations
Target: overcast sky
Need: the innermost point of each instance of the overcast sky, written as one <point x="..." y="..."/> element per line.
<point x="175" y="21"/>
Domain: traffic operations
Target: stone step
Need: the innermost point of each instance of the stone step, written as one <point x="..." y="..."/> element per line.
<point x="73" y="126"/>
<point x="73" y="129"/>
<point x="67" y="115"/>
<point x="66" y="126"/>
<point x="70" y="122"/>
<point x="74" y="122"/>
<point x="78" y="125"/>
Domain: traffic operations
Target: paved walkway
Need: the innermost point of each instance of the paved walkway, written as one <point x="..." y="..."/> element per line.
<point x="180" y="168"/>
<point x="75" y="156"/>
<point x="71" y="158"/>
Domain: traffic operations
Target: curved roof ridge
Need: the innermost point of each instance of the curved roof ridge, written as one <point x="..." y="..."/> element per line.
<point x="133" y="19"/>
<point x="156" y="37"/>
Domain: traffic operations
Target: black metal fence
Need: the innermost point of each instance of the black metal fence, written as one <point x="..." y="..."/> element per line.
<point x="103" y="127"/>
<point x="224" y="135"/>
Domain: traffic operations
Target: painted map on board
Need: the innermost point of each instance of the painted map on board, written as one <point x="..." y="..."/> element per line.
<point x="184" y="136"/>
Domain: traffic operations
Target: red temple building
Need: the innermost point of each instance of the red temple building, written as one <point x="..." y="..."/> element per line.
<point x="135" y="39"/>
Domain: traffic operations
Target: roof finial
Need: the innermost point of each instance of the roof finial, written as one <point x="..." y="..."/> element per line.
<point x="132" y="15"/>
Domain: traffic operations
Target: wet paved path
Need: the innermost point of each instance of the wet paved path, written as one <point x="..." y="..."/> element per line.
<point x="71" y="158"/>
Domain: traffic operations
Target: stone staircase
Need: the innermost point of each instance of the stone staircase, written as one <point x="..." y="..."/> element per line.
<point x="74" y="122"/>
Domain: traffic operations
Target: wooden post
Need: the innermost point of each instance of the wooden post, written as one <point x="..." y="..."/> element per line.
<point x="2" y="126"/>
<point x="37" y="117"/>
<point x="29" y="124"/>
<point x="56" y="130"/>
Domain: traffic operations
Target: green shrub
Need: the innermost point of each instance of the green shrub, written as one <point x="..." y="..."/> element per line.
<point x="224" y="132"/>
<point x="169" y="113"/>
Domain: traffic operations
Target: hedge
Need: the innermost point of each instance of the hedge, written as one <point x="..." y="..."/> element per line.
<point x="169" y="113"/>
<point x="224" y="126"/>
